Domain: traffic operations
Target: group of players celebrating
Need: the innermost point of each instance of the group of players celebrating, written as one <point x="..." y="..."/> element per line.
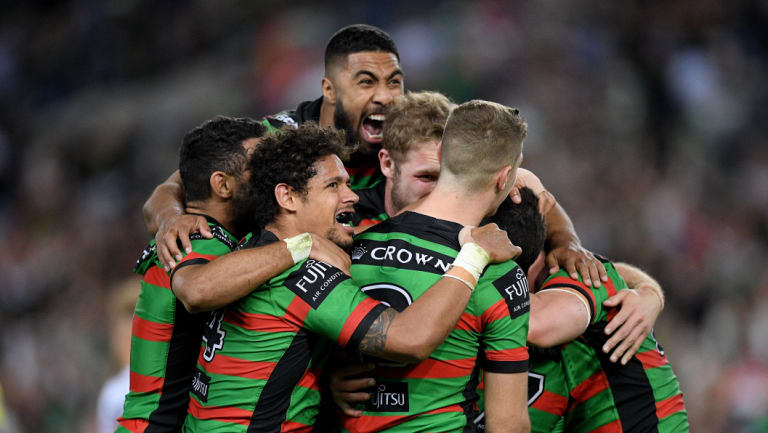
<point x="377" y="260"/>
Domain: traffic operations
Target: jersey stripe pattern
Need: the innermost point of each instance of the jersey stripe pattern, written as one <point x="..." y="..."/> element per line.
<point x="547" y="393"/>
<point x="260" y="359"/>
<point x="165" y="341"/>
<point x="642" y="396"/>
<point x="396" y="261"/>
<point x="548" y="396"/>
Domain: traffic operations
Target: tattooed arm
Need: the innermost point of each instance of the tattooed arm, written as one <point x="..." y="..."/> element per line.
<point x="376" y="338"/>
<point x="412" y="335"/>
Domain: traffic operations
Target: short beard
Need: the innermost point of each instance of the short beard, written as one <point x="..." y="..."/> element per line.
<point x="243" y="210"/>
<point x="398" y="201"/>
<point x="342" y="121"/>
<point x="339" y="239"/>
<point x="361" y="150"/>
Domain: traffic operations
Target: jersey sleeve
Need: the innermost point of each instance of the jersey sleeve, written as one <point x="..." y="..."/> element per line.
<point x="204" y="250"/>
<point x="504" y="302"/>
<point x="595" y="296"/>
<point x="330" y="304"/>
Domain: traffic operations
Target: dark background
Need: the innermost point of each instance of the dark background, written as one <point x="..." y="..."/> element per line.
<point x="644" y="121"/>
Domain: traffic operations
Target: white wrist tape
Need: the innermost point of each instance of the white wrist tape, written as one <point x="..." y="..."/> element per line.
<point x="471" y="287"/>
<point x="473" y="258"/>
<point x="299" y="246"/>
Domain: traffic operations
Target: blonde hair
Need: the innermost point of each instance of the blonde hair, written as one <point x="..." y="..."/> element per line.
<point x="415" y="118"/>
<point x="480" y="138"/>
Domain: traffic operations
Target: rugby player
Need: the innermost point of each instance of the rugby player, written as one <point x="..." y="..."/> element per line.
<point x="410" y="163"/>
<point x="396" y="260"/>
<point x="362" y="78"/>
<point x="409" y="160"/>
<point x="577" y="387"/>
<point x="166" y="338"/>
<point x="259" y="367"/>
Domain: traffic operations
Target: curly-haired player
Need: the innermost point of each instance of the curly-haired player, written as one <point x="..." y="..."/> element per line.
<point x="263" y="355"/>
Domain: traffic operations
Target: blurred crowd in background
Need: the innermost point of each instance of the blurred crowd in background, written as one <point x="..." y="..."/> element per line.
<point x="645" y="121"/>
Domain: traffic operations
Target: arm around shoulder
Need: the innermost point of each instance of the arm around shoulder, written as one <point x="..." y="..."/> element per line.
<point x="414" y="333"/>
<point x="166" y="200"/>
<point x="558" y="315"/>
<point x="226" y="279"/>
<point x="639" y="280"/>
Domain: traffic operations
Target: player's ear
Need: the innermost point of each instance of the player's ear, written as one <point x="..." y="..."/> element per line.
<point x="287" y="198"/>
<point x="329" y="91"/>
<point x="503" y="181"/>
<point x="511" y="172"/>
<point x="387" y="163"/>
<point x="222" y="184"/>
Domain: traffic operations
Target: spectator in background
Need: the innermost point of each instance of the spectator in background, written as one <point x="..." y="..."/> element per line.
<point x="112" y="395"/>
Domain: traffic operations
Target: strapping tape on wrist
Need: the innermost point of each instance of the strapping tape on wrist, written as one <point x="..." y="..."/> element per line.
<point x="473" y="258"/>
<point x="299" y="246"/>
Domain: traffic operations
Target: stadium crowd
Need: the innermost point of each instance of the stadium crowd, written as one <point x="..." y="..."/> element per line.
<point x="643" y="121"/>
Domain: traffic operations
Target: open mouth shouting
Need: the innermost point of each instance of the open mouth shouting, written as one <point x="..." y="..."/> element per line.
<point x="344" y="219"/>
<point x="371" y="128"/>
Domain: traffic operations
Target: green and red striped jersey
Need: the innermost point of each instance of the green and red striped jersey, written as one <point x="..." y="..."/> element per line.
<point x="642" y="396"/>
<point x="396" y="261"/>
<point x="261" y="358"/>
<point x="547" y="392"/>
<point x="366" y="175"/>
<point x="166" y="340"/>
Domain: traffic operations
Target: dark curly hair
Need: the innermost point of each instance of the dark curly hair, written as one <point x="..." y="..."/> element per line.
<point x="216" y="145"/>
<point x="357" y="38"/>
<point x="524" y="225"/>
<point x="288" y="156"/>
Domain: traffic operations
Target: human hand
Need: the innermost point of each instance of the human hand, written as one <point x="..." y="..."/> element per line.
<point x="635" y="319"/>
<point x="493" y="240"/>
<point x="346" y="386"/>
<point x="326" y="251"/>
<point x="178" y="228"/>
<point x="526" y="179"/>
<point x="573" y="257"/>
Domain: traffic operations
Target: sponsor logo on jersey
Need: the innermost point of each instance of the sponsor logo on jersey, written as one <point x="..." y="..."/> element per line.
<point x="513" y="287"/>
<point x="401" y="254"/>
<point x="314" y="280"/>
<point x="200" y="384"/>
<point x="357" y="252"/>
<point x="388" y="397"/>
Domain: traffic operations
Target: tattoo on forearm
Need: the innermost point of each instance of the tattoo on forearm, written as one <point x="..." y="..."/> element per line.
<point x="376" y="337"/>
